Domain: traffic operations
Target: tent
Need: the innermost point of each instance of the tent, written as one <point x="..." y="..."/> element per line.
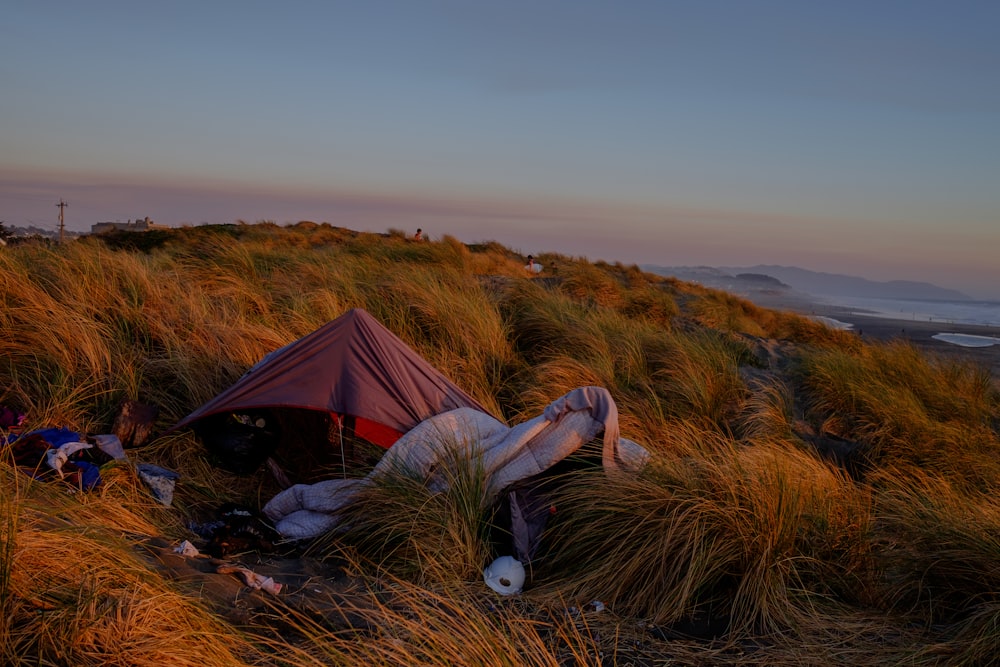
<point x="353" y="369"/>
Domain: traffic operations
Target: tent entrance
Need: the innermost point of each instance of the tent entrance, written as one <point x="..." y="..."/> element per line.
<point x="306" y="445"/>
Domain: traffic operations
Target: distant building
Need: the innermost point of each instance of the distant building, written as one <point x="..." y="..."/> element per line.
<point x="143" y="225"/>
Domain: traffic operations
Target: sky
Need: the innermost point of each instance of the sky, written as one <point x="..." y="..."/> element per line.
<point x="858" y="137"/>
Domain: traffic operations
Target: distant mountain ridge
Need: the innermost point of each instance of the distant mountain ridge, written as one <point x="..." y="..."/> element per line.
<point x="835" y="284"/>
<point x="797" y="280"/>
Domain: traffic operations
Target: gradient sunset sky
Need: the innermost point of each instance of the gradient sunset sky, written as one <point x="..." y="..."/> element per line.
<point x="858" y="137"/>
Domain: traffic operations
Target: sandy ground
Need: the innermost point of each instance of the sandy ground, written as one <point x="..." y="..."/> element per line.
<point x="918" y="332"/>
<point x="308" y="587"/>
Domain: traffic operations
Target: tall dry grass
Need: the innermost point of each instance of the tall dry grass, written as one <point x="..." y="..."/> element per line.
<point x="698" y="374"/>
<point x="738" y="521"/>
<point x="908" y="410"/>
<point x="431" y="533"/>
<point x="938" y="545"/>
<point x="726" y="312"/>
<point x="760" y="539"/>
<point x="397" y="623"/>
<point x="76" y="592"/>
<point x="768" y="413"/>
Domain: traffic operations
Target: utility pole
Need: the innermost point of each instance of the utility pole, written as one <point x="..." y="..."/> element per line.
<point x="62" y="226"/>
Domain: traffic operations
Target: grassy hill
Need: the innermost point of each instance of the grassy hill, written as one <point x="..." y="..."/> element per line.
<point x="812" y="498"/>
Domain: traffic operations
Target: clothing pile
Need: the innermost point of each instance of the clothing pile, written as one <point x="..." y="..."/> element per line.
<point x="60" y="453"/>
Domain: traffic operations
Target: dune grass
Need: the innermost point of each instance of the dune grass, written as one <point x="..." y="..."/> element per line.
<point x="758" y="539"/>
<point x="74" y="590"/>
<point x="739" y="529"/>
<point x="435" y="534"/>
<point x="908" y="410"/>
<point x="939" y="545"/>
<point x="397" y="622"/>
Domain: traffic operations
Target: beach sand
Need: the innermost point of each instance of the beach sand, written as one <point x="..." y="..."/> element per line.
<point x="918" y="332"/>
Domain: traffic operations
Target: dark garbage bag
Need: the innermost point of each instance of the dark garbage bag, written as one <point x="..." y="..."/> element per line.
<point x="239" y="442"/>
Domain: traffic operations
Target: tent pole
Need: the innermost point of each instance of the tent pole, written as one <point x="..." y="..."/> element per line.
<point x="343" y="461"/>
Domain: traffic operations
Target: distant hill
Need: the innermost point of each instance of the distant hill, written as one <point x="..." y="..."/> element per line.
<point x="756" y="286"/>
<point x="835" y="284"/>
<point x="793" y="281"/>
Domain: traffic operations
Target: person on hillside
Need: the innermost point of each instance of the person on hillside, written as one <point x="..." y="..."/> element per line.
<point x="532" y="266"/>
<point x="419" y="236"/>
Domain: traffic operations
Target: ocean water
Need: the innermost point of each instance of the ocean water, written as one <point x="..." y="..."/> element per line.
<point x="985" y="313"/>
<point x="967" y="340"/>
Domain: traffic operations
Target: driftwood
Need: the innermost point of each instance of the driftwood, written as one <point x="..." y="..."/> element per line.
<point x="134" y="423"/>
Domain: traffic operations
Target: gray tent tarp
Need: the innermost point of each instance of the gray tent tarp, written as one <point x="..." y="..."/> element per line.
<point x="351" y="366"/>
